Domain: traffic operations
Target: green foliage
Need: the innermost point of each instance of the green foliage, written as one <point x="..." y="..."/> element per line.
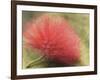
<point x="32" y="58"/>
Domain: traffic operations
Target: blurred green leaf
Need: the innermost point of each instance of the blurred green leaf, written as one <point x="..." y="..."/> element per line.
<point x="32" y="58"/>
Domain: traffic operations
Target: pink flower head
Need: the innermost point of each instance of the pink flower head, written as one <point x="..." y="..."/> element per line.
<point x="55" y="38"/>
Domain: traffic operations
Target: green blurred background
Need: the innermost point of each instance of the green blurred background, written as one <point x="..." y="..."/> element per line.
<point x="79" y="22"/>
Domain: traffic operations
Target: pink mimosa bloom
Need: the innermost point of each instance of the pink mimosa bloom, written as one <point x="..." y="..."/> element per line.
<point x="55" y="38"/>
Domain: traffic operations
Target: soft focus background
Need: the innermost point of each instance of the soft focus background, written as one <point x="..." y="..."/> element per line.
<point x="79" y="22"/>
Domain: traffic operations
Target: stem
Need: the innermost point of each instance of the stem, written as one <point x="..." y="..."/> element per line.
<point x="34" y="61"/>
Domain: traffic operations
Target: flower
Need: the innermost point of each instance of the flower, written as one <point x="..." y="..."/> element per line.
<point x="55" y="37"/>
